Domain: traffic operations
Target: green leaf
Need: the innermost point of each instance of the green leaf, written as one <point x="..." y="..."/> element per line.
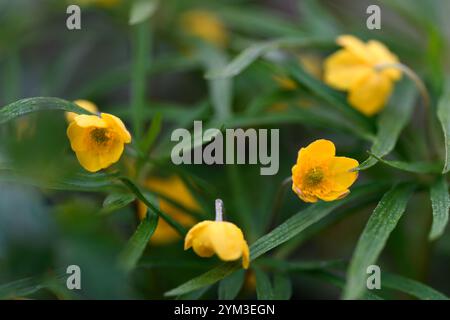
<point x="356" y="121"/>
<point x="391" y="123"/>
<point x="220" y="90"/>
<point x="374" y="236"/>
<point x="72" y="182"/>
<point x="412" y="287"/>
<point x="440" y="202"/>
<point x="264" y="290"/>
<point x="282" y="287"/>
<point x="142" y="10"/>
<point x="138" y="242"/>
<point x="116" y="201"/>
<point x="414" y="167"/>
<point x="29" y="105"/>
<point x="230" y="286"/>
<point x="285" y="231"/>
<point x="255" y="51"/>
<point x="443" y="112"/>
<point x="27" y="286"/>
<point x="152" y="133"/>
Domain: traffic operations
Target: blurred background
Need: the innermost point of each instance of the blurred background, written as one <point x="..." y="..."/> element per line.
<point x="49" y="220"/>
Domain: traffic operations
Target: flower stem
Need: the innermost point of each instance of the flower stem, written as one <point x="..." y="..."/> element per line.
<point x="279" y="199"/>
<point x="425" y="98"/>
<point x="413" y="76"/>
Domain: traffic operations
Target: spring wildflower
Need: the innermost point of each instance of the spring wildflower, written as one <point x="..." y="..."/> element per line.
<point x="98" y="141"/>
<point x="87" y="105"/>
<point x="319" y="174"/>
<point x="357" y="68"/>
<point x="206" y="26"/>
<point x="172" y="188"/>
<point x="218" y="237"/>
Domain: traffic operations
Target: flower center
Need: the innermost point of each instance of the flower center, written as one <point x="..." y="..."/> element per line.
<point x="100" y="135"/>
<point x="314" y="177"/>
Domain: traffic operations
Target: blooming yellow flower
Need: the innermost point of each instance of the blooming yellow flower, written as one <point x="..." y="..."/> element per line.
<point x="205" y="25"/>
<point x="98" y="141"/>
<point x="218" y="237"/>
<point x="319" y="174"/>
<point x="355" y="68"/>
<point x="87" y="105"/>
<point x="172" y="188"/>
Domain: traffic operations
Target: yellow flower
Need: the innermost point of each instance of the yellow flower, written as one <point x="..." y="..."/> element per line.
<point x="206" y="26"/>
<point x="87" y="105"/>
<point x="354" y="68"/>
<point x="218" y="237"/>
<point x="319" y="174"/>
<point x="98" y="141"/>
<point x="172" y="188"/>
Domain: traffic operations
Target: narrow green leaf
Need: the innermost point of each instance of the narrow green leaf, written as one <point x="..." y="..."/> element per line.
<point x="440" y="202"/>
<point x="391" y="122"/>
<point x="374" y="236"/>
<point x="264" y="290"/>
<point x="443" y="112"/>
<point x="141" y="51"/>
<point x="137" y="243"/>
<point x="116" y="201"/>
<point x="414" y="167"/>
<point x="285" y="231"/>
<point x="230" y="286"/>
<point x="255" y="51"/>
<point x="142" y="10"/>
<point x="71" y="182"/>
<point x="28" y="105"/>
<point x="152" y="134"/>
<point x="220" y="90"/>
<point x="27" y="286"/>
<point x="412" y="287"/>
<point x="282" y="287"/>
<point x="357" y="122"/>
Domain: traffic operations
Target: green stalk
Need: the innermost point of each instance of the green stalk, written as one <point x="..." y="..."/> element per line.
<point x="141" y="47"/>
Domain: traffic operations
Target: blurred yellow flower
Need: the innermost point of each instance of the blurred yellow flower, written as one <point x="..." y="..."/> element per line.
<point x="172" y="188"/>
<point x="356" y="68"/>
<point x="218" y="237"/>
<point x="206" y="26"/>
<point x="98" y="141"/>
<point x="319" y="174"/>
<point x="87" y="105"/>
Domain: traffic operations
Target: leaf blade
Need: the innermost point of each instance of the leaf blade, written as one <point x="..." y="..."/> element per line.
<point x="374" y="236"/>
<point x="138" y="241"/>
<point x="443" y="113"/>
<point x="440" y="203"/>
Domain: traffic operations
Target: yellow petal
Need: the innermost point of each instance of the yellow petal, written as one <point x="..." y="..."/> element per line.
<point x="318" y="151"/>
<point x="226" y="239"/>
<point x="84" y="120"/>
<point x="341" y="174"/>
<point x="343" y="69"/>
<point x="118" y="126"/>
<point x="384" y="56"/>
<point x="94" y="160"/>
<point x="304" y="196"/>
<point x="355" y="46"/>
<point x="78" y="137"/>
<point x="370" y="94"/>
<point x="245" y="255"/>
<point x="334" y="195"/>
<point x="194" y="232"/>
